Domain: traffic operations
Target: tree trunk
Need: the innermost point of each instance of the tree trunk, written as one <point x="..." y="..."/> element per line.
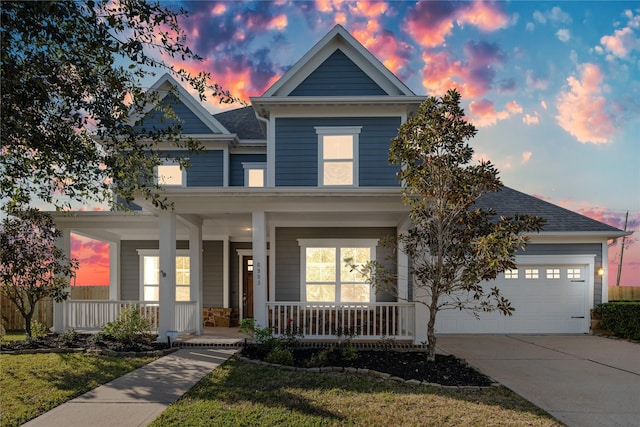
<point x="27" y="322"/>
<point x="431" y="333"/>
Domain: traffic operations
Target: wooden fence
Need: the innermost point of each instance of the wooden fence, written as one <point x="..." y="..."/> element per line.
<point x="12" y="319"/>
<point x="628" y="293"/>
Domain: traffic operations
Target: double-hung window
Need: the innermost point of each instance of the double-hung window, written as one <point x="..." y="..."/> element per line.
<point x="338" y="156"/>
<point x="326" y="277"/>
<point x="170" y="174"/>
<point x="150" y="275"/>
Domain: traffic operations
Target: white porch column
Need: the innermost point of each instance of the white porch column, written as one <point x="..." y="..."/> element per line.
<point x="259" y="268"/>
<point x="166" y="321"/>
<point x="195" y="270"/>
<point x="114" y="270"/>
<point x="64" y="243"/>
<point x="403" y="266"/>
<point x="226" y="281"/>
<point x="421" y="316"/>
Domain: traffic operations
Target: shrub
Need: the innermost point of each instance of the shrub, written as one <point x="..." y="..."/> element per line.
<point x="281" y="356"/>
<point x="321" y="358"/>
<point x="128" y="326"/>
<point x="621" y="317"/>
<point x="38" y="330"/>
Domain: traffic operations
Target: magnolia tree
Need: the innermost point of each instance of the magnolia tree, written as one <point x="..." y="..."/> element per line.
<point x="73" y="102"/>
<point x="454" y="247"/>
<point x="32" y="267"/>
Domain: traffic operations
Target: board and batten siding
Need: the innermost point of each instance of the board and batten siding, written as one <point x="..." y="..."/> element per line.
<point x="212" y="269"/>
<point x="207" y="167"/>
<point x="190" y="123"/>
<point x="338" y="76"/>
<point x="296" y="162"/>
<point x="288" y="262"/>
<point x="571" y="249"/>
<point x="236" y="170"/>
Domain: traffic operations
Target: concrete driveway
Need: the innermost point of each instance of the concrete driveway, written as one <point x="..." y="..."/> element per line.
<point x="581" y="380"/>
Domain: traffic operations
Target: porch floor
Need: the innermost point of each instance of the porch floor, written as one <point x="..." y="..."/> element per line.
<point x="213" y="337"/>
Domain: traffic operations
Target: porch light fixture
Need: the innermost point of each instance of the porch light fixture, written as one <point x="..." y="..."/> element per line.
<point x="600" y="271"/>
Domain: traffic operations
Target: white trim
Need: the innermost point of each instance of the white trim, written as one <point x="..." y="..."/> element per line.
<point x="372" y="244"/>
<point x="248" y="166"/>
<point x="354" y="132"/>
<point x="241" y="253"/>
<point x="171" y="162"/>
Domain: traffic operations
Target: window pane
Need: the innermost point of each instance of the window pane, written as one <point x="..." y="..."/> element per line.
<point x="182" y="270"/>
<point x="169" y="175"/>
<point x="151" y="293"/>
<point x="511" y="274"/>
<point x="321" y="265"/>
<point x="354" y="293"/>
<point x="359" y="256"/>
<point x="337" y="147"/>
<point x="321" y="293"/>
<point x="256" y="178"/>
<point x="182" y="293"/>
<point x="151" y="270"/>
<point x="338" y="173"/>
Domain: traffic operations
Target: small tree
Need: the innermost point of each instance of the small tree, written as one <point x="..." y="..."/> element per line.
<point x="31" y="266"/>
<point x="453" y="245"/>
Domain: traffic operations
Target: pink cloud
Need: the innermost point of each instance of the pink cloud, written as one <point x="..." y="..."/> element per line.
<point x="582" y="110"/>
<point x="483" y="112"/>
<point x="529" y="119"/>
<point x="526" y="156"/>
<point x="624" y="40"/>
<point x="430" y="23"/>
<point x="392" y="52"/>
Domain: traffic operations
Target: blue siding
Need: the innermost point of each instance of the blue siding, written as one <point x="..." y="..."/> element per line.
<point x="207" y="167"/>
<point x="338" y="76"/>
<point x="296" y="160"/>
<point x="191" y="124"/>
<point x="236" y="173"/>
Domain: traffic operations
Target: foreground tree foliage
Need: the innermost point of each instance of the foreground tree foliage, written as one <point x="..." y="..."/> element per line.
<point x="31" y="266"/>
<point x="70" y="73"/>
<point x="454" y="247"/>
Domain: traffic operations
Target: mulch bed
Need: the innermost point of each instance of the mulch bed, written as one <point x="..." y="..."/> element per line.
<point x="408" y="365"/>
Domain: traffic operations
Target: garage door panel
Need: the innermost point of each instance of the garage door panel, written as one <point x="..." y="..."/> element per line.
<point x="542" y="305"/>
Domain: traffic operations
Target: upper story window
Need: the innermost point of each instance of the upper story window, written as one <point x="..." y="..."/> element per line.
<point x="254" y="174"/>
<point x="170" y="174"/>
<point x="338" y="156"/>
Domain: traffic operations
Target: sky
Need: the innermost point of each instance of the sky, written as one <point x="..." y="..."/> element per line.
<point x="553" y="87"/>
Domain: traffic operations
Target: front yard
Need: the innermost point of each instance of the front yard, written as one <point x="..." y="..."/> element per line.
<point x="240" y="393"/>
<point x="31" y="384"/>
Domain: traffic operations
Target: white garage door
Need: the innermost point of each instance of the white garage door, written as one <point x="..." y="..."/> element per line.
<point x="547" y="299"/>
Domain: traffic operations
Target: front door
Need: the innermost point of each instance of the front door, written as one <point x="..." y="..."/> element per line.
<point x="247" y="286"/>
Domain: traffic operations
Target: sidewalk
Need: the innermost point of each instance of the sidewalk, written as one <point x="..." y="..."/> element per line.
<point x="138" y="397"/>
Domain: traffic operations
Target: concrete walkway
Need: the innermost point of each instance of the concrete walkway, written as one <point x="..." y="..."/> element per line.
<point x="581" y="380"/>
<point x="138" y="397"/>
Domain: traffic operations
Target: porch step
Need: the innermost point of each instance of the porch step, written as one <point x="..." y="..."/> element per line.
<point x="209" y="343"/>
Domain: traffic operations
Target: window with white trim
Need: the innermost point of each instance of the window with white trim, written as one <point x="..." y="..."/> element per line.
<point x="325" y="276"/>
<point x="254" y="174"/>
<point x="338" y="156"/>
<point x="150" y="275"/>
<point x="170" y="174"/>
<point x="511" y="274"/>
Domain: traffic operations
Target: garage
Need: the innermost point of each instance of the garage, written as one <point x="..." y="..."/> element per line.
<point x="548" y="298"/>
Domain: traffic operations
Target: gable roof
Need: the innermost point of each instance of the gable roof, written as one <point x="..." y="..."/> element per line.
<point x="510" y="202"/>
<point x="166" y="86"/>
<point x="338" y="38"/>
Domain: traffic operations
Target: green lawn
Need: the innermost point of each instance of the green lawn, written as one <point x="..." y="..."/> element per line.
<point x="31" y="384"/>
<point x="240" y="393"/>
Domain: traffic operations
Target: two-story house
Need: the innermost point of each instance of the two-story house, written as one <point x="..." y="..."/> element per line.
<point x="289" y="187"/>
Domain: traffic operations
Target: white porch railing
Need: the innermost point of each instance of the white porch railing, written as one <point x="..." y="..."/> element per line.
<point x="363" y="321"/>
<point x="95" y="314"/>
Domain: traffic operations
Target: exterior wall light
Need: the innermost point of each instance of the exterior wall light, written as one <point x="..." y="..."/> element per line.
<point x="600" y="271"/>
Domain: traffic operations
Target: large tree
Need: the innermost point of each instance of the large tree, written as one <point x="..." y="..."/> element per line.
<point x="70" y="78"/>
<point x="454" y="246"/>
<point x="32" y="267"/>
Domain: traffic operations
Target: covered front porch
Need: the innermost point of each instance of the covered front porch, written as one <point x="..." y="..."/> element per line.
<point x="219" y="233"/>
